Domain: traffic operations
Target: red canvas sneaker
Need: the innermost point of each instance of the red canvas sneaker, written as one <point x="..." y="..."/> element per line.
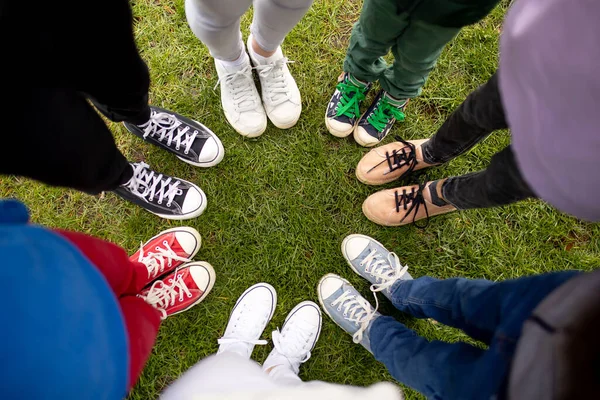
<point x="167" y="251"/>
<point x="181" y="290"/>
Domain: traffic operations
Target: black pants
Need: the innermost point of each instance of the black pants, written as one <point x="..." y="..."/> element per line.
<point x="85" y="51"/>
<point x="478" y="116"/>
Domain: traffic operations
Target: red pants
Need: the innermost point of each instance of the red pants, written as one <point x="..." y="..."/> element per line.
<point x="126" y="279"/>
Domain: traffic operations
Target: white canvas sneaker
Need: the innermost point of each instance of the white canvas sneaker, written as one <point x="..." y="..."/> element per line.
<point x="240" y="99"/>
<point x="249" y="318"/>
<point x="280" y="94"/>
<point x="297" y="337"/>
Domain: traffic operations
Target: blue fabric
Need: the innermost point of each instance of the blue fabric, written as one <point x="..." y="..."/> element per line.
<point x="487" y="311"/>
<point x="63" y="335"/>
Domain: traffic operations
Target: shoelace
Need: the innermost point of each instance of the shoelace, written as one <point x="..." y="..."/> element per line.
<point x="385" y="271"/>
<point x="416" y="200"/>
<point x="292" y="345"/>
<point x="397" y="159"/>
<point x="165" y="126"/>
<point x="240" y="84"/>
<point x="155" y="262"/>
<point x="245" y="319"/>
<point x="145" y="182"/>
<point x="357" y="310"/>
<point x="350" y="98"/>
<point x="275" y="84"/>
<point x="383" y="113"/>
<point x="162" y="295"/>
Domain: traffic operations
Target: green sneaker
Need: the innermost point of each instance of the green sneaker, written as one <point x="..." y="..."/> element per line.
<point x="376" y="123"/>
<point x="343" y="109"/>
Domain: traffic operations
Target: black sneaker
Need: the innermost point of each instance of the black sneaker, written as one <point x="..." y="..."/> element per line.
<point x="167" y="197"/>
<point x="189" y="140"/>
<point x="343" y="109"/>
<point x="376" y="123"/>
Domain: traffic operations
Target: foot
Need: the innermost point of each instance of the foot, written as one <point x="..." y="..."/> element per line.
<point x="249" y="318"/>
<point x="240" y="99"/>
<point x="369" y="259"/>
<point x="343" y="109"/>
<point x="297" y="337"/>
<point x="167" y="251"/>
<point x="376" y="123"/>
<point x="165" y="196"/>
<point x="347" y="308"/>
<point x="280" y="94"/>
<point x="406" y="204"/>
<point x="181" y="290"/>
<point x="390" y="162"/>
<point x="189" y="140"/>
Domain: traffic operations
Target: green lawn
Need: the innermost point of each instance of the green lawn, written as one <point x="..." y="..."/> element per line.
<point x="280" y="205"/>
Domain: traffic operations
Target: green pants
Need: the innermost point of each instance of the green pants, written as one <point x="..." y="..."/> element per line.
<point x="416" y="46"/>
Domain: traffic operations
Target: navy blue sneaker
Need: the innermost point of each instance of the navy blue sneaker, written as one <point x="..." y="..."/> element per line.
<point x="343" y="109"/>
<point x="376" y="123"/>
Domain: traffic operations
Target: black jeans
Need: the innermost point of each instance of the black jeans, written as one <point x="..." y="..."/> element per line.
<point x="478" y="116"/>
<point x="84" y="52"/>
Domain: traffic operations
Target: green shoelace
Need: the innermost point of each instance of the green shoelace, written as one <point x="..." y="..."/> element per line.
<point x="350" y="100"/>
<point x="383" y="113"/>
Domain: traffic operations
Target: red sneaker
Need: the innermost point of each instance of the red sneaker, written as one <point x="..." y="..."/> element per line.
<point x="181" y="290"/>
<point x="167" y="251"/>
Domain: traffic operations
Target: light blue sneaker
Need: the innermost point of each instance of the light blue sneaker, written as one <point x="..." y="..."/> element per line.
<point x="369" y="259"/>
<point x="347" y="308"/>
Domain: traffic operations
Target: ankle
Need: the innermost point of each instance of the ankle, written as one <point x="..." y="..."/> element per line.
<point x="257" y="50"/>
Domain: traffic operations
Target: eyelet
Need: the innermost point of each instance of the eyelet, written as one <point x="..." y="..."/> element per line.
<point x="190" y="295"/>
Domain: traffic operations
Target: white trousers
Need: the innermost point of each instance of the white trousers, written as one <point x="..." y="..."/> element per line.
<point x="217" y="23"/>
<point x="233" y="377"/>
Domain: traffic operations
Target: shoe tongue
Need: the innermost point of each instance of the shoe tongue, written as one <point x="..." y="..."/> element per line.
<point x="350" y="78"/>
<point x="398" y="103"/>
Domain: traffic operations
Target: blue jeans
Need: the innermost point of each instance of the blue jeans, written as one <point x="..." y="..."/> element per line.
<point x="490" y="312"/>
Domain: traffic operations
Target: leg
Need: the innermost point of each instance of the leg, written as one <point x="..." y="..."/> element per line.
<point x="500" y="184"/>
<point x="217" y="24"/>
<point x="141" y="319"/>
<point x="373" y="36"/>
<point x="274" y="19"/>
<point x="68" y="143"/>
<point x="479" y="306"/>
<point x="479" y="115"/>
<point x="415" y="54"/>
<point x="435" y="368"/>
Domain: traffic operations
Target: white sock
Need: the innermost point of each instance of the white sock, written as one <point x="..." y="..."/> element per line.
<point x="262" y="60"/>
<point x="241" y="60"/>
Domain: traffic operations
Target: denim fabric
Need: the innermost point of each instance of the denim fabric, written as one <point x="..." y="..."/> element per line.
<point x="478" y="116"/>
<point x="487" y="311"/>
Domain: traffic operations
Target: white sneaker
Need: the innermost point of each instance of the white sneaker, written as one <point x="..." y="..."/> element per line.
<point x="249" y="318"/>
<point x="297" y="337"/>
<point x="280" y="94"/>
<point x="240" y="99"/>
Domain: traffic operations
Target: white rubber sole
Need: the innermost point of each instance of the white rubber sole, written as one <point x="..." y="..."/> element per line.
<point x="245" y="134"/>
<point x="335" y="133"/>
<point x="218" y="159"/>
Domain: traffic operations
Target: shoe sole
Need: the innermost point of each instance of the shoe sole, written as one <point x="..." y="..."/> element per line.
<point x="187" y="229"/>
<point x="322" y="301"/>
<point x="335" y="133"/>
<point x="191" y="215"/>
<point x="356" y="235"/>
<point x="299" y="306"/>
<point x="211" y="274"/>
<point x="250" y="136"/>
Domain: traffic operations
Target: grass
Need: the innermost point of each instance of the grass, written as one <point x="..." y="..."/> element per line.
<point x="279" y="206"/>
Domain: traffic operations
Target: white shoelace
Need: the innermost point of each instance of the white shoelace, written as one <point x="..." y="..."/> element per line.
<point x="155" y="262"/>
<point x="387" y="272"/>
<point x="240" y="85"/>
<point x="357" y="310"/>
<point x="144" y="184"/>
<point x="293" y="345"/>
<point x="165" y="126"/>
<point x="162" y="295"/>
<point x="274" y="80"/>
